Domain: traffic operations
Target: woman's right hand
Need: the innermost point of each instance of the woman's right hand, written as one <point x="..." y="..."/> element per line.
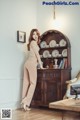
<point x="43" y="68"/>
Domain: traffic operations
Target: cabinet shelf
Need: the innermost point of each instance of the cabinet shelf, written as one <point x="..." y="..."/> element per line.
<point x="54" y="57"/>
<point x="51" y="48"/>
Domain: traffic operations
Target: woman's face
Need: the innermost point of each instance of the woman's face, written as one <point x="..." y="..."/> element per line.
<point x="35" y="36"/>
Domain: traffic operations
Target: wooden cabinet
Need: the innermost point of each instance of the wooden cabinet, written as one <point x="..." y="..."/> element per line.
<point x="55" y="52"/>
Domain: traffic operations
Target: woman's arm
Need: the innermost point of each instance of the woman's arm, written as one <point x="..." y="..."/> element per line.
<point x="35" y="49"/>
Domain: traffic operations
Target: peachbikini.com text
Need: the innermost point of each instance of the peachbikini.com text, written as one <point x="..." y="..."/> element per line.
<point x="60" y="3"/>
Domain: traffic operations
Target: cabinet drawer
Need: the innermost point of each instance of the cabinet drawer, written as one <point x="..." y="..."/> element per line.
<point x="49" y="74"/>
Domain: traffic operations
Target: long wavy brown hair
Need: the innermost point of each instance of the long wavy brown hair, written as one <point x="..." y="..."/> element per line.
<point x="31" y="37"/>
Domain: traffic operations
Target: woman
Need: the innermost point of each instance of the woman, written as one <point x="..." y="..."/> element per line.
<point x="30" y="69"/>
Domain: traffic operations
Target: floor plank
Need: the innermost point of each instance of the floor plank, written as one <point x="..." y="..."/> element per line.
<point x="43" y="114"/>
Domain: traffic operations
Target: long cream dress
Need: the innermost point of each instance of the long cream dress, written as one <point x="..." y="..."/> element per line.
<point x="30" y="73"/>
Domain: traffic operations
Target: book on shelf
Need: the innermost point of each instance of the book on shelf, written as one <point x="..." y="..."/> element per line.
<point x="63" y="64"/>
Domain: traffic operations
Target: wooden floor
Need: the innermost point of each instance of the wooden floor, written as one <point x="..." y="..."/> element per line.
<point x="43" y="114"/>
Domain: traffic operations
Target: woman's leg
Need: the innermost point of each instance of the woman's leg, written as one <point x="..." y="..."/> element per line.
<point x="33" y="80"/>
<point x="25" y="83"/>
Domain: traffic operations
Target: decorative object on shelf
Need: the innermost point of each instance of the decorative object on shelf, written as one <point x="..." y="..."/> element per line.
<point x="52" y="43"/>
<point x="43" y="44"/>
<point x="62" y="42"/>
<point x="64" y="53"/>
<point x="46" y="54"/>
<point x="47" y="66"/>
<point x="51" y="66"/>
<point x="56" y="64"/>
<point x="50" y="56"/>
<point x="57" y="45"/>
<point x="21" y="36"/>
<point x="55" y="53"/>
<point x="60" y="55"/>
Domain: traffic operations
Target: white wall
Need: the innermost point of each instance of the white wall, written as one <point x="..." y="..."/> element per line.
<point x="68" y="23"/>
<point x="14" y="15"/>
